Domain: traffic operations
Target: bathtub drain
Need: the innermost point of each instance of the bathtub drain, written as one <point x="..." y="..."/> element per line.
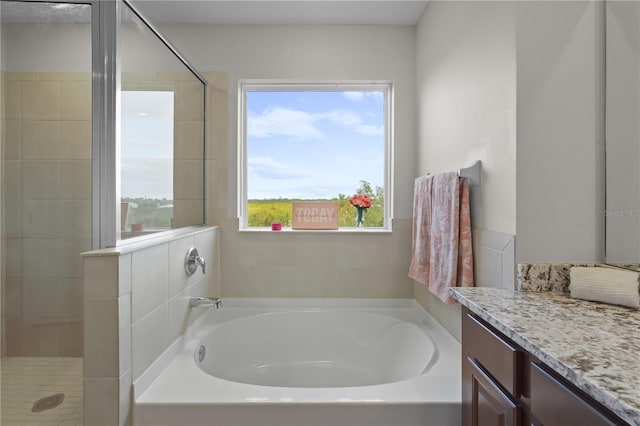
<point x="201" y="353"/>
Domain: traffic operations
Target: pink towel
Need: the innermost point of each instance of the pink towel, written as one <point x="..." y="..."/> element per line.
<point x="441" y="246"/>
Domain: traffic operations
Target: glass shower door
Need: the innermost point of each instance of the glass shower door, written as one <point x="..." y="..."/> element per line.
<point x="45" y="207"/>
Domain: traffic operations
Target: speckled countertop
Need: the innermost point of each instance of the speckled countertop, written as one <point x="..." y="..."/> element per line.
<point x="593" y="345"/>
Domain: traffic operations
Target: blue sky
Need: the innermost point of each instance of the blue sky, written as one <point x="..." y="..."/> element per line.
<point x="313" y="144"/>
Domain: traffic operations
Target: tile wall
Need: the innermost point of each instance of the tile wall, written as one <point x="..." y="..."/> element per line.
<point x="136" y="305"/>
<point x="46" y="167"/>
<point x="294" y="264"/>
<point x="188" y="167"/>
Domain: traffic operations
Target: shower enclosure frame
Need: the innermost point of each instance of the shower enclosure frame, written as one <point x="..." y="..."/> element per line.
<point x="105" y="30"/>
<point x="106" y="117"/>
<point x="105" y="87"/>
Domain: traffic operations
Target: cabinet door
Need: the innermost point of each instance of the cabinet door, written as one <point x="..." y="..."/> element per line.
<point x="490" y="406"/>
<point x="554" y="404"/>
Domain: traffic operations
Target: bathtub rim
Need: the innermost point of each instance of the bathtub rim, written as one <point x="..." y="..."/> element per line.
<point x="181" y="350"/>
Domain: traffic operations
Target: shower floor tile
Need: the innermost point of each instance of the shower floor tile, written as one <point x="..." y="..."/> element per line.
<point x="26" y="380"/>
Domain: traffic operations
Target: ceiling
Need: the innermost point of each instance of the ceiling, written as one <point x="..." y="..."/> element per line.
<point x="278" y="12"/>
<point x="291" y="12"/>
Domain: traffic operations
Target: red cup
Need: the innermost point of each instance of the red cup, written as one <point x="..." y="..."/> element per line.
<point x="276" y="226"/>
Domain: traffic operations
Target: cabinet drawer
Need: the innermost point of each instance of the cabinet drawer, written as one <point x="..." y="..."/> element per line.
<point x="554" y="404"/>
<point x="494" y="354"/>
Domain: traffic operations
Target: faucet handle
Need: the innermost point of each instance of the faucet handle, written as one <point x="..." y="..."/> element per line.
<point x="192" y="260"/>
<point x="200" y="261"/>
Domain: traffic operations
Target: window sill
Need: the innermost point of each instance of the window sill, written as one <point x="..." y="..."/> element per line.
<point x="319" y="231"/>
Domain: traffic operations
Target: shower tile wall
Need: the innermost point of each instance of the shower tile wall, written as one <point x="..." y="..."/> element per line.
<point x="188" y="167"/>
<point x="46" y="202"/>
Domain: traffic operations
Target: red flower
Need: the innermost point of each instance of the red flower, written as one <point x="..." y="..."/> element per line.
<point x="360" y="200"/>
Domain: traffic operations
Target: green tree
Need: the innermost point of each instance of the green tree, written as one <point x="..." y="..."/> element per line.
<point x="261" y="213"/>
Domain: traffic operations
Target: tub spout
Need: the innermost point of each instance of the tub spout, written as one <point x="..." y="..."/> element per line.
<point x="194" y="302"/>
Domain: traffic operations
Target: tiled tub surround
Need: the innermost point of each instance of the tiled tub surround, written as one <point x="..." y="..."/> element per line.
<point x="594" y="346"/>
<point x="136" y="305"/>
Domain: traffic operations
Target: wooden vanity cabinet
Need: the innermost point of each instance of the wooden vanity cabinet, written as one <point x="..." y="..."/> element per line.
<point x="490" y="366"/>
<point x="487" y="403"/>
<point x="503" y="385"/>
<point x="553" y="403"/>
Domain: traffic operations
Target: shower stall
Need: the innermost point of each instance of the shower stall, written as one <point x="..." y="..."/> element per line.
<point x="102" y="143"/>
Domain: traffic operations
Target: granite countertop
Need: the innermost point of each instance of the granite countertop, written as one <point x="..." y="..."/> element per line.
<point x="593" y="345"/>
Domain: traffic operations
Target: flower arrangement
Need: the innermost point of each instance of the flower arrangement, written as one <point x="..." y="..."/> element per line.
<point x="360" y="202"/>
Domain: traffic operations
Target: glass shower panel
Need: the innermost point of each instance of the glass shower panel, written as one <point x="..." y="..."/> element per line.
<point x="46" y="207"/>
<point x="162" y="135"/>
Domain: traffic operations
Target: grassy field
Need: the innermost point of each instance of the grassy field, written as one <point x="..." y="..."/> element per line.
<point x="261" y="213"/>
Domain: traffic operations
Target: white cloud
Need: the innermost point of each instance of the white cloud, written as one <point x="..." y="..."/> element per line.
<point x="301" y="125"/>
<point x="353" y="96"/>
<point x="353" y="120"/>
<point x="267" y="167"/>
<point x="343" y="118"/>
<point x="358" y="96"/>
<point x="284" y="122"/>
<point x="369" y="130"/>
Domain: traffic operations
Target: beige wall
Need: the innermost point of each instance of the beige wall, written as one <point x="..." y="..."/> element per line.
<point x="265" y="264"/>
<point x="136" y="304"/>
<point x="476" y="61"/>
<point x="560" y="192"/>
<point x="310" y="53"/>
<point x="46" y="210"/>
<point x="623" y="131"/>
<point x="466" y="103"/>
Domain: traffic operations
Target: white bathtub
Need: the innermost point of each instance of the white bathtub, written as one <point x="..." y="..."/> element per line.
<point x="306" y="362"/>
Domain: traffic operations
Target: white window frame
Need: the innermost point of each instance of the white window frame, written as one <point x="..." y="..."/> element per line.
<point x="247" y="85"/>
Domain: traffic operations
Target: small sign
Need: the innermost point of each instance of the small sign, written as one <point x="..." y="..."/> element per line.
<point x="315" y="215"/>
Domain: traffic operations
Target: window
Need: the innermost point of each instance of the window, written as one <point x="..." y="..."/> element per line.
<point x="314" y="142"/>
